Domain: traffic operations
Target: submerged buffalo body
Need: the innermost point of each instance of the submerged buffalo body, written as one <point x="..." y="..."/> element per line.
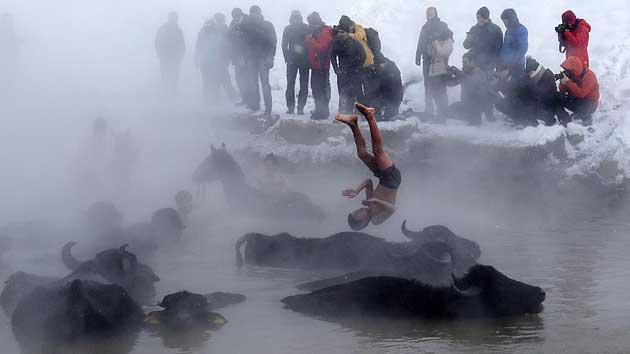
<point x="117" y="266"/>
<point x="482" y="292"/>
<point x="430" y="260"/>
<point x="18" y="286"/>
<point x="65" y="311"/>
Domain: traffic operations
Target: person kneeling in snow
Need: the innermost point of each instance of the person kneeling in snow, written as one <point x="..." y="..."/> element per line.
<point x="580" y="90"/>
<point x="379" y="203"/>
<point x="477" y="93"/>
<point x="387" y="87"/>
<point x="539" y="95"/>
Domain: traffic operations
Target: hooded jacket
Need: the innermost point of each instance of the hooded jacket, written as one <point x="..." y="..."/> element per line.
<point x="515" y="43"/>
<point x="584" y="83"/>
<point x="485" y="42"/>
<point x="432" y="30"/>
<point x="577" y="41"/>
<point x="211" y="49"/>
<point x="293" y="47"/>
<point x="348" y="56"/>
<point x="319" y="45"/>
<point x="260" y="37"/>
<point x="169" y="42"/>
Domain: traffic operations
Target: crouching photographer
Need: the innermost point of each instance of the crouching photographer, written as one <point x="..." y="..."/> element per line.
<point x="579" y="89"/>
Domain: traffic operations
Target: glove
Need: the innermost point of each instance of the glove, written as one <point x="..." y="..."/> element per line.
<point x="564" y="79"/>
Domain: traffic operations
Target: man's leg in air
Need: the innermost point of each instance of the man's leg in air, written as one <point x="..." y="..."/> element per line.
<point x="382" y="158"/>
<point x="359" y="141"/>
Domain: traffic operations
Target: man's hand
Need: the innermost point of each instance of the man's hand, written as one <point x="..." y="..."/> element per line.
<point x="564" y="79"/>
<point x="350" y="193"/>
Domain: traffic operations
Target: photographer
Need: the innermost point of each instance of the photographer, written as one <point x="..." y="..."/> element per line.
<point x="261" y="40"/>
<point x="573" y="35"/>
<point x="579" y="89"/>
<point x="318" y="44"/>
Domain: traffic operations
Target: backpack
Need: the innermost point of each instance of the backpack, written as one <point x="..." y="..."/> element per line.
<point x="373" y="40"/>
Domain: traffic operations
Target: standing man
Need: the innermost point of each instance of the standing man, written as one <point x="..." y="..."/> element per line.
<point x="261" y="40"/>
<point x="573" y="35"/>
<point x="515" y="44"/>
<point x="170" y="48"/>
<point x="212" y="57"/>
<point x="295" y="56"/>
<point x="348" y="57"/>
<point x="433" y="32"/>
<point x="319" y="45"/>
<point x="484" y="42"/>
<point x="238" y="49"/>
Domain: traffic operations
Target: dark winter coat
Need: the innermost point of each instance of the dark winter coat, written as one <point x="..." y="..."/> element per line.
<point x="237" y="44"/>
<point x="433" y="30"/>
<point x="515" y="46"/>
<point x="169" y="42"/>
<point x="485" y="43"/>
<point x="293" y="47"/>
<point x="577" y="41"/>
<point x="347" y="55"/>
<point x="260" y="37"/>
<point x="319" y="45"/>
<point x="212" y="48"/>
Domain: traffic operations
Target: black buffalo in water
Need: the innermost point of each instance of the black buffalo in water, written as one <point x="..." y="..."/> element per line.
<point x="65" y="311"/>
<point x="482" y="292"/>
<point x="18" y="286"/>
<point x="361" y="254"/>
<point x="185" y="310"/>
<point x="221" y="166"/>
<point x="117" y="266"/>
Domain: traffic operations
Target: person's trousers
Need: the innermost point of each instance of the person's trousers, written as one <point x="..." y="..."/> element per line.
<point x="241" y="76"/>
<point x="260" y="72"/>
<point x="217" y="79"/>
<point x="434" y="92"/>
<point x="350" y="91"/>
<point x="292" y="72"/>
<point x="169" y="70"/>
<point x="582" y="108"/>
<point x="320" y="85"/>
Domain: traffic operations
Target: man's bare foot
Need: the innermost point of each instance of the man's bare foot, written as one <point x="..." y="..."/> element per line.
<point x="346" y="118"/>
<point x="367" y="112"/>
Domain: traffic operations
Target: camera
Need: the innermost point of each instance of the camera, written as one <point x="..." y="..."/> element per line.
<point x="561" y="28"/>
<point x="558" y="76"/>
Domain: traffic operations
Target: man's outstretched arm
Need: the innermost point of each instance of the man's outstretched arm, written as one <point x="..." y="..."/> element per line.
<point x="367" y="185"/>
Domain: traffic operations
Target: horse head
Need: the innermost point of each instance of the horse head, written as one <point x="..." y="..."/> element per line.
<point x="220" y="165"/>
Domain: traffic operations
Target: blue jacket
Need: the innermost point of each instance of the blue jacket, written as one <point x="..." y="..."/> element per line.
<point x="515" y="47"/>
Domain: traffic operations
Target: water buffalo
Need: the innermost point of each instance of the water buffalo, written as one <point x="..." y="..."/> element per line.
<point x="117" y="266"/>
<point x="360" y="254"/>
<point x="18" y="286"/>
<point x="64" y="311"/>
<point x="185" y="310"/>
<point x="221" y="166"/>
<point x="482" y="292"/>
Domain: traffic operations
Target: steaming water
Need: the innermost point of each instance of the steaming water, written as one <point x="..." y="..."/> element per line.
<point x="574" y="249"/>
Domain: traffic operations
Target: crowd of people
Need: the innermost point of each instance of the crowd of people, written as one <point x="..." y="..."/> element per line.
<point x="496" y="72"/>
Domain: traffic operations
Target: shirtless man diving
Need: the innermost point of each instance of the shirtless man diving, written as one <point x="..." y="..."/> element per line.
<point x="379" y="203"/>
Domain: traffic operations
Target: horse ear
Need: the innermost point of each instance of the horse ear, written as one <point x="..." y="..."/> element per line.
<point x="223" y="146"/>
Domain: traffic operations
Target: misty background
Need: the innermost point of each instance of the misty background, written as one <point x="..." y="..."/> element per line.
<point x="83" y="59"/>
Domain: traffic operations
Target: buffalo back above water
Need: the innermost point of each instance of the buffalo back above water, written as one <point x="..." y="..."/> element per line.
<point x="487" y="293"/>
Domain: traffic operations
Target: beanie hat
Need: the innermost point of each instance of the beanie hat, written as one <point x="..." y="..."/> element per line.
<point x="484" y="13"/>
<point x="569" y="17"/>
<point x="531" y="64"/>
<point x="345" y="23"/>
<point x="236" y="12"/>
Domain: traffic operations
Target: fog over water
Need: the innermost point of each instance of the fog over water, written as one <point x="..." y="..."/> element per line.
<point x="558" y="222"/>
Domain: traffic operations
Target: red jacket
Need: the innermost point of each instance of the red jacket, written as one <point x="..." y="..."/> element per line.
<point x="577" y="41"/>
<point x="584" y="83"/>
<point x="320" y="48"/>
